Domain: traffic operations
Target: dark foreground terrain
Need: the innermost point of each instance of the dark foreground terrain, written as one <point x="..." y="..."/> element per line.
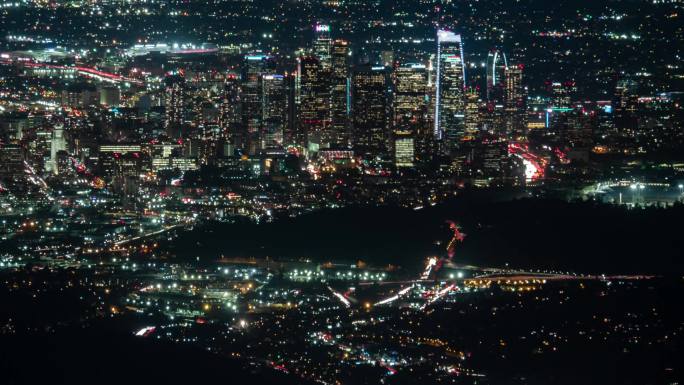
<point x="585" y="237"/>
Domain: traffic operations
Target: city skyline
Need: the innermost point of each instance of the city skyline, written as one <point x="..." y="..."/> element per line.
<point x="341" y="191"/>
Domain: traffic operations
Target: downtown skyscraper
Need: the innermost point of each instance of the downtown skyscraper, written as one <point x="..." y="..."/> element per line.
<point x="340" y="93"/>
<point x="496" y="74"/>
<point x="515" y="101"/>
<point x="314" y="100"/>
<point x="412" y="118"/>
<point x="274" y="109"/>
<point x="174" y="103"/>
<point x="256" y="66"/>
<point x="449" y="91"/>
<point x="370" y="109"/>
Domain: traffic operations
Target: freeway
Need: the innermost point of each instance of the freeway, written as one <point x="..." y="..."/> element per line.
<point x="84" y="71"/>
<point x="147" y="235"/>
<point x="535" y="165"/>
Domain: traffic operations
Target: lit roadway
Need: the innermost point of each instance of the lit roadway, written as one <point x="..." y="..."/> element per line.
<point x="513" y="276"/>
<point x="147" y="235"/>
<point x="85" y="71"/>
<point x="534" y="164"/>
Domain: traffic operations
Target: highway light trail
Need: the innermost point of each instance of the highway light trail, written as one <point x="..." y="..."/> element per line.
<point x="339" y="296"/>
<point x="432" y="261"/>
<point x="394" y="297"/>
<point x="534" y="165"/>
<point x="86" y="71"/>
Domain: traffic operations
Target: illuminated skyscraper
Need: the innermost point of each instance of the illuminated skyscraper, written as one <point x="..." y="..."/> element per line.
<point x="626" y="101"/>
<point x="404" y="149"/>
<point x="255" y="67"/>
<point x="411" y="115"/>
<point x="562" y="93"/>
<point x="314" y="100"/>
<point x="449" y="93"/>
<point x="58" y="143"/>
<point x="496" y="75"/>
<point x="562" y="96"/>
<point x="494" y="157"/>
<point x="229" y="113"/>
<point x="370" y="109"/>
<point x="274" y="107"/>
<point x="322" y="45"/>
<point x="515" y="102"/>
<point x="472" y="112"/>
<point x="340" y="93"/>
<point x="174" y="104"/>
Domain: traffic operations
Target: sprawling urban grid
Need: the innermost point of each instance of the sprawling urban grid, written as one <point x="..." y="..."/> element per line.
<point x="135" y="132"/>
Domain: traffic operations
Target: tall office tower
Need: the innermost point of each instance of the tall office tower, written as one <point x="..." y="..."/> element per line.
<point x="492" y="118"/>
<point x="576" y="127"/>
<point x="229" y="114"/>
<point x="472" y="112"/>
<point x="58" y="143"/>
<point x="256" y="65"/>
<point x="626" y="100"/>
<point x="12" y="167"/>
<point x="562" y="93"/>
<point x="404" y="149"/>
<point x="370" y="110"/>
<point x="449" y="90"/>
<point x="274" y="109"/>
<point x="496" y="75"/>
<point x="494" y="156"/>
<point x="174" y="103"/>
<point x="314" y="100"/>
<point x="322" y="45"/>
<point x="339" y="93"/>
<point x="411" y="108"/>
<point x="292" y="136"/>
<point x="515" y="102"/>
<point x="38" y="149"/>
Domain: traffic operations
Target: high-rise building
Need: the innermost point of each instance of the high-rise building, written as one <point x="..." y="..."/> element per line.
<point x="110" y="96"/>
<point x="492" y="118"/>
<point x="274" y="109"/>
<point x="411" y="114"/>
<point x="370" y="110"/>
<point x="449" y="93"/>
<point x="58" y="144"/>
<point x="515" y="102"/>
<point x="174" y="103"/>
<point x="292" y="136"/>
<point x="562" y="93"/>
<point x="322" y="45"/>
<point x="314" y="100"/>
<point x="256" y="65"/>
<point x="404" y="149"/>
<point x="562" y="96"/>
<point x="340" y="93"/>
<point x="80" y="95"/>
<point x="11" y="163"/>
<point x="496" y="75"/>
<point x="494" y="156"/>
<point x="229" y="113"/>
<point x="577" y="128"/>
<point x="472" y="112"/>
<point x="626" y="98"/>
<point x="14" y="125"/>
